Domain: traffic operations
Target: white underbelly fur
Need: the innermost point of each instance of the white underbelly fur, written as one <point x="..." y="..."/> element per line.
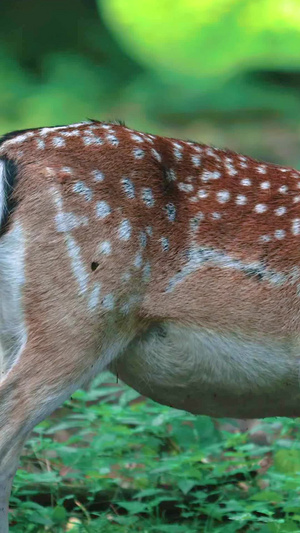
<point x="209" y="373"/>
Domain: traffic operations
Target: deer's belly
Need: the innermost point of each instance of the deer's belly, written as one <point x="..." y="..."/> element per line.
<point x="208" y="373"/>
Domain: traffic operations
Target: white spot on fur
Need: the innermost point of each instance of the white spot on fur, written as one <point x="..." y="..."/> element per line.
<point x="246" y="182"/>
<point x="97" y="175"/>
<point x="149" y="230"/>
<point x="280" y="211"/>
<point x="148" y="139"/>
<point x="171" y="211"/>
<point x="178" y="153"/>
<point x="156" y="154"/>
<point x="94" y="127"/>
<point x="58" y="142"/>
<point x="283" y="189"/>
<point x="208" y="175"/>
<point x="108" y="302"/>
<point x="202" y="193"/>
<point x="112" y="139"/>
<point x="40" y="144"/>
<point x="125" y="230"/>
<point x="260" y="208"/>
<point x="296" y="226"/>
<point x="241" y="199"/>
<point x="45" y="131"/>
<point x="92" y="140"/>
<point x="223" y="196"/>
<point x="261" y="169"/>
<point x="279" y="234"/>
<point x="143" y="239"/>
<point x="165" y="244"/>
<point x="229" y="167"/>
<point x="94" y="297"/>
<point x="178" y="149"/>
<point x="171" y="175"/>
<point x="137" y="138"/>
<point x="147" y="272"/>
<point x="196" y="160"/>
<point x="197" y="148"/>
<point x="71" y="133"/>
<point x="138" y="260"/>
<point x="81" y="188"/>
<point x="138" y="153"/>
<point x="196" y="221"/>
<point x="102" y="209"/>
<point x="105" y="248"/>
<point x="147" y="197"/>
<point x="128" y="187"/>
<point x="265" y="185"/>
<point x="185" y="187"/>
<point x="177" y="146"/>
<point x="264" y="238"/>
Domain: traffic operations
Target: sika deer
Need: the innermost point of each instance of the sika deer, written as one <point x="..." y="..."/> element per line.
<point x="174" y="264"/>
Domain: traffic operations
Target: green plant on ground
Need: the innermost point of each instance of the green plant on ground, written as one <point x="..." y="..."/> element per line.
<point x="111" y="461"/>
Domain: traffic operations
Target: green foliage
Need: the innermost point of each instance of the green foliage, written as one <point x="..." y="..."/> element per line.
<point x="177" y="67"/>
<point x="114" y="462"/>
<point x="212" y="56"/>
<point x="207" y="38"/>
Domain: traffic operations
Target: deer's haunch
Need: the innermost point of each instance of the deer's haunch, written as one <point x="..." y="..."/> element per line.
<point x="172" y="263"/>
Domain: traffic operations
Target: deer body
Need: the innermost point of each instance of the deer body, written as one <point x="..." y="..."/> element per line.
<point x="174" y="264"/>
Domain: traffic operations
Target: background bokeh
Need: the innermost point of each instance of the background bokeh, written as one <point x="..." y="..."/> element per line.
<point x="220" y="71"/>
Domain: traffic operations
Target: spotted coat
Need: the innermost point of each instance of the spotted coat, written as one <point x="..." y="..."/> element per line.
<point x="158" y="217"/>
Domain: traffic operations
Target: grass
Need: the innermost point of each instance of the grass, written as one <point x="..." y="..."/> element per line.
<point x="110" y="461"/>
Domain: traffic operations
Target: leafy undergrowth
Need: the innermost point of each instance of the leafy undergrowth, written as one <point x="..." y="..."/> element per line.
<point x="110" y="461"/>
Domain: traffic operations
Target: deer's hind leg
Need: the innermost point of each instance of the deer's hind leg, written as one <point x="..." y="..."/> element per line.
<point x="12" y="437"/>
<point x="34" y="387"/>
<point x="27" y="396"/>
